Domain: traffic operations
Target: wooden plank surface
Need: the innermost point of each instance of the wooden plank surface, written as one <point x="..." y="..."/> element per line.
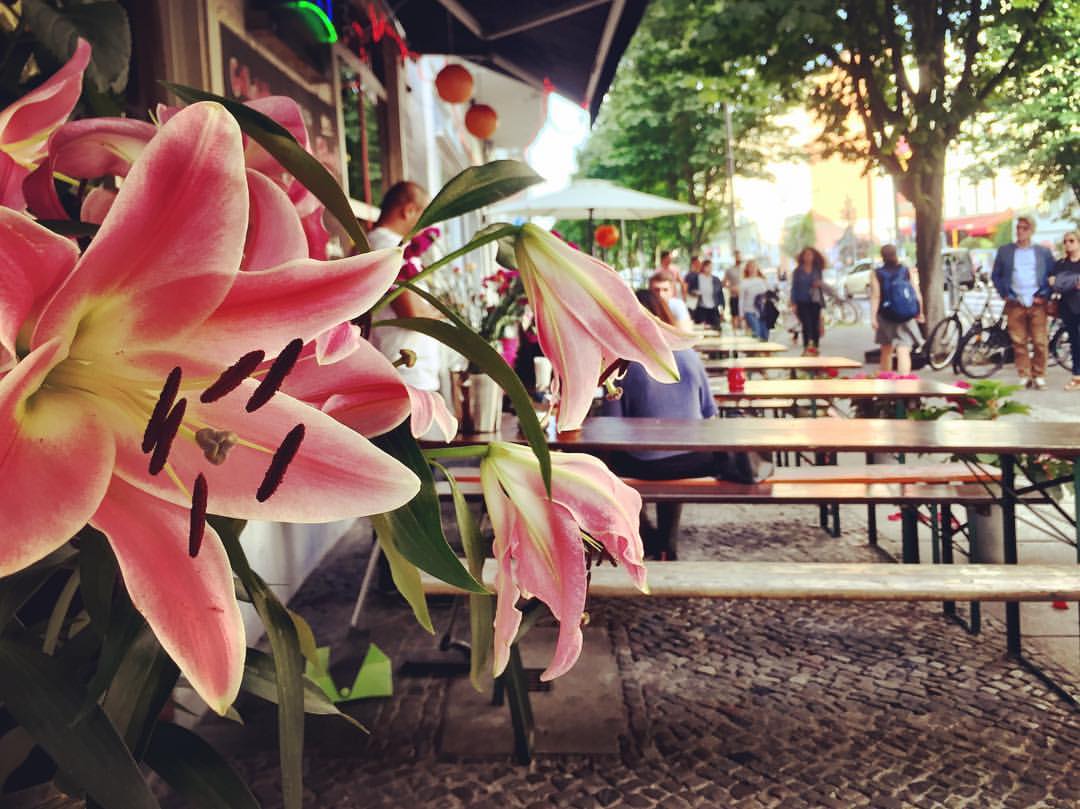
<point x="785" y="363"/>
<point x="890" y="389"/>
<point x="829" y="581"/>
<point x="946" y="436"/>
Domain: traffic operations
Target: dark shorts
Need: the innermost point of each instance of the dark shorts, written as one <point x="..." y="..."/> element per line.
<point x="733" y="305"/>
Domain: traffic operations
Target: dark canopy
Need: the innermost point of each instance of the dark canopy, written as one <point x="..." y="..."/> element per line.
<point x="575" y="45"/>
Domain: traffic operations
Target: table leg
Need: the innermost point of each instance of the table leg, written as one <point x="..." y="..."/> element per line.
<point x="948" y="607"/>
<point x="1008" y="518"/>
<point x="909" y="536"/>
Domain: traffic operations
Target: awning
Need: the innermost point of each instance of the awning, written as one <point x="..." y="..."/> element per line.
<point x="572" y="47"/>
<point x="978" y="225"/>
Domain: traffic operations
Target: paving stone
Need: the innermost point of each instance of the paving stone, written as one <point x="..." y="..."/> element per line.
<point x="729" y="704"/>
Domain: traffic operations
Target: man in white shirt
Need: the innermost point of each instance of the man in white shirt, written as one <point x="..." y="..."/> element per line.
<point x="1020" y="275"/>
<point x="401" y="208"/>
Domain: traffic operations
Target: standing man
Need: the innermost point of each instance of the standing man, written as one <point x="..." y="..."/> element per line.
<point x="662" y="285"/>
<point x="895" y="332"/>
<point x="710" y="296"/>
<point x="732" y="280"/>
<point x="401" y="208"/>
<point x="1020" y="274"/>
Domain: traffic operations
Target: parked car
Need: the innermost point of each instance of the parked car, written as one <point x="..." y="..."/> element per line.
<point x="958" y="267"/>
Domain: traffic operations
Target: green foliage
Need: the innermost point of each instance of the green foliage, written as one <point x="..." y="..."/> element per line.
<point x="985" y="399"/>
<point x="661" y="129"/>
<point x="1034" y="125"/>
<point x="798" y="235"/>
<point x="476" y="187"/>
<point x="876" y="72"/>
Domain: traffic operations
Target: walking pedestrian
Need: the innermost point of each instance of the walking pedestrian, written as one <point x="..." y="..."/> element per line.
<point x="1020" y="274"/>
<point x="752" y="298"/>
<point x="807" y="296"/>
<point x="1067" y="283"/>
<point x="895" y="307"/>
<point x="710" y="296"/>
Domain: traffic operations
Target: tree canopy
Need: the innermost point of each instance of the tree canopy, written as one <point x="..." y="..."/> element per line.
<point x="891" y="81"/>
<point x="661" y="129"/>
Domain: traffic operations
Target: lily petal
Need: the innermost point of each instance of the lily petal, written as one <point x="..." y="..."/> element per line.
<point x="96" y="205"/>
<point x="158" y="270"/>
<point x="190" y="604"/>
<point x="316" y="295"/>
<point x="274" y="234"/>
<point x="336" y="474"/>
<point x="337" y="343"/>
<point x="12" y="178"/>
<point x="504" y="520"/>
<point x="429" y="407"/>
<point x="33" y="262"/>
<point x="362" y="390"/>
<point x="48" y="445"/>
<point x="26" y="124"/>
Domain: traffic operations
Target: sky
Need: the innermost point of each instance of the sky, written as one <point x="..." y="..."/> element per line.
<point x="553" y="153"/>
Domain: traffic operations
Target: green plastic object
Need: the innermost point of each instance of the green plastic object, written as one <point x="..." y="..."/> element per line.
<point x="374" y="679"/>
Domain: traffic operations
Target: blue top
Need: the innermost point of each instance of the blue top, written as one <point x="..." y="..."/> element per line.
<point x="645" y="397"/>
<point x="801" y="284"/>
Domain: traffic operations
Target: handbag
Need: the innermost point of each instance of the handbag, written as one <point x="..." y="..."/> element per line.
<point x="1053" y="306"/>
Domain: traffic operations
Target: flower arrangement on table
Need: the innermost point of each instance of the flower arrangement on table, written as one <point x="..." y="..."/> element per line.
<point x="179" y="359"/>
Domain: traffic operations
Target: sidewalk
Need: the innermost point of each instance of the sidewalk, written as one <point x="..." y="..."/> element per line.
<point x="715" y="704"/>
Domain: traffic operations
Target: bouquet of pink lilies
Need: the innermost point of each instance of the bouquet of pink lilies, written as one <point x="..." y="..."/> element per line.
<point x="181" y="359"/>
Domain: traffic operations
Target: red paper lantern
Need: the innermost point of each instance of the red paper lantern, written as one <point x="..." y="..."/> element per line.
<point x="606" y="236"/>
<point x="481" y="121"/>
<point x="454" y="84"/>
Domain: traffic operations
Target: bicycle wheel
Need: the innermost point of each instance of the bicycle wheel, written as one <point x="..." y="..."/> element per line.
<point x="982" y="352"/>
<point x="1061" y="348"/>
<point x="849" y="312"/>
<point x="943" y="342"/>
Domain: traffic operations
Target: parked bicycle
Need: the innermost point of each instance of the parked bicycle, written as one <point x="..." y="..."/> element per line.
<point x="943" y="342"/>
<point x="984" y="349"/>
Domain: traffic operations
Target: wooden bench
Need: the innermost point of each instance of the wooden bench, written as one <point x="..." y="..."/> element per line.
<point x="826" y="581"/>
<point x="797" y="581"/>
<point x="904" y="485"/>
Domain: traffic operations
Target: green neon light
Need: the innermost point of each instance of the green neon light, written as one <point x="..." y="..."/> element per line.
<point x="328" y="32"/>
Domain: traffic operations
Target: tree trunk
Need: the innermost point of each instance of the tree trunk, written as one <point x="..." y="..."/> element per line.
<point x="924" y="185"/>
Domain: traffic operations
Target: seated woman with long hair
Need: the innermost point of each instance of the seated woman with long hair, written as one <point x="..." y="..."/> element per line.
<point x="644" y="397"/>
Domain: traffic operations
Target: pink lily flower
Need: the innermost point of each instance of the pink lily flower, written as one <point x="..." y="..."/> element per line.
<point x="25" y="125"/>
<point x="539" y="543"/>
<point x="587" y="318"/>
<point x="85" y="345"/>
<point x="99" y="147"/>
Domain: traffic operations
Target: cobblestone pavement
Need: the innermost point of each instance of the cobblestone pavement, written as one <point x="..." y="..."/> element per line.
<point x="729" y="704"/>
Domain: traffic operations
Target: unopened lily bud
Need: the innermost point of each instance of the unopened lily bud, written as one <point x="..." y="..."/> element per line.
<point x="612" y="392"/>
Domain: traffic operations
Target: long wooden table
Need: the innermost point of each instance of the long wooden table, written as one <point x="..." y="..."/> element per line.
<point x="790" y="363"/>
<point x="1004" y="438"/>
<point x="894" y="390"/>
<point x="738" y="345"/>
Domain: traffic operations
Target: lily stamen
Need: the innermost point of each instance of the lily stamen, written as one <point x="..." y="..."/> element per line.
<point x="197" y="527"/>
<point x="283" y="363"/>
<point x="161" y="409"/>
<point x="164" y="440"/>
<point x="233" y="376"/>
<point x="275" y="473"/>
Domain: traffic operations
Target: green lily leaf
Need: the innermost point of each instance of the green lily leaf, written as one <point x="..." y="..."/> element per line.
<point x="405" y="574"/>
<point x="196" y="771"/>
<point x="139" y="690"/>
<point x="260" y="679"/>
<point x="415" y="529"/>
<point x="98" y="570"/>
<point x="104" y="24"/>
<point x="474" y="348"/>
<point x="280" y="143"/>
<point x="288" y="663"/>
<point x="481" y="607"/>
<point x="476" y="187"/>
<point x="40" y="693"/>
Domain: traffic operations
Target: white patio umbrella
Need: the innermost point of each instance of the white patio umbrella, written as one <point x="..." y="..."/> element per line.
<point x="594" y="199"/>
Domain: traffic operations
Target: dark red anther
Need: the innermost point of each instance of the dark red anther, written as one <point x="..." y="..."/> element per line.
<point x="197" y="527"/>
<point x="165" y="437"/>
<point x="618" y="368"/>
<point x="282" y="458"/>
<point x="232" y="376"/>
<point x="161" y="409"/>
<point x="283" y="363"/>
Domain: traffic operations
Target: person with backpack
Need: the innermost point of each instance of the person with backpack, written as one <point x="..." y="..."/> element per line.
<point x="895" y="307"/>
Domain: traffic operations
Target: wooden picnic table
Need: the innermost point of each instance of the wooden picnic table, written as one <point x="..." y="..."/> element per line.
<point x="832" y="389"/>
<point x="738" y="345"/>
<point x="786" y="363"/>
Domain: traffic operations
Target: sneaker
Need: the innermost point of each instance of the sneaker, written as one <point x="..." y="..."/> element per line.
<point x="1023" y="382"/>
<point x="1039" y="383"/>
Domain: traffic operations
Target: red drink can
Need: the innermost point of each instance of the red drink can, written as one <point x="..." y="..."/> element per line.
<point x="736" y="380"/>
